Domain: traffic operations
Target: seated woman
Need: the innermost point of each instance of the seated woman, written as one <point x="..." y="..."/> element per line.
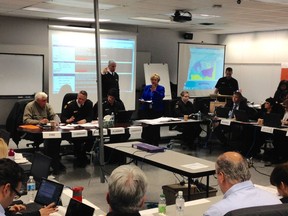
<point x="281" y="92"/>
<point x="190" y="131"/>
<point x="279" y="178"/>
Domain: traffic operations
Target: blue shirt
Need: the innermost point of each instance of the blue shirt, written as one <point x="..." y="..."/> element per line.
<point x="2" y="211"/>
<point x="242" y="195"/>
<point x="156" y="97"/>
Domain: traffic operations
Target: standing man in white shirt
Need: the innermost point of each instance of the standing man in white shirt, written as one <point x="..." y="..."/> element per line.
<point x="110" y="79"/>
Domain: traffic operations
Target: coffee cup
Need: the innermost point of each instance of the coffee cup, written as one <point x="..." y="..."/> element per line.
<point x="186" y="117"/>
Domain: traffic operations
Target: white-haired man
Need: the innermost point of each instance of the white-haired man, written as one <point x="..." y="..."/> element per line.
<point x="110" y="79"/>
<point x="233" y="177"/>
<point x="127" y="187"/>
<point x="39" y="112"/>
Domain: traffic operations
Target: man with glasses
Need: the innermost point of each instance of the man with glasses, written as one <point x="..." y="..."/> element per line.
<point x="11" y="177"/>
<point x="233" y="177"/>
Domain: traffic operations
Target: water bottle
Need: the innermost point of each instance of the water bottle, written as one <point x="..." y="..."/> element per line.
<point x="112" y="119"/>
<point x="199" y="115"/>
<point x="162" y="205"/>
<point x="180" y="204"/>
<point x="31" y="187"/>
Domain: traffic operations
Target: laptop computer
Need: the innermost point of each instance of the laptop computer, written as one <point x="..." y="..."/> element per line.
<point x="222" y="112"/>
<point x="76" y="208"/>
<point x="241" y="115"/>
<point x="272" y="120"/>
<point x="48" y="192"/>
<point x="124" y="116"/>
<point x="40" y="168"/>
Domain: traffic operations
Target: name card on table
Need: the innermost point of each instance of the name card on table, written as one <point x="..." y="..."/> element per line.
<point x="95" y="132"/>
<point x="51" y="134"/>
<point x="225" y="122"/>
<point x="135" y="129"/>
<point x="79" y="133"/>
<point x="267" y="129"/>
<point x="117" y="130"/>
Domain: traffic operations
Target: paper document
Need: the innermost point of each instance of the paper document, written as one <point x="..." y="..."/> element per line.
<point x="195" y="166"/>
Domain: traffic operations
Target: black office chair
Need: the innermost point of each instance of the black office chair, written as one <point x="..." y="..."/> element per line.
<point x="68" y="97"/>
<point x="15" y="119"/>
<point x="269" y="210"/>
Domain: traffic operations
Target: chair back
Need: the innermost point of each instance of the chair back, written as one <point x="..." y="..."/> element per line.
<point x="68" y="97"/>
<point x="269" y="210"/>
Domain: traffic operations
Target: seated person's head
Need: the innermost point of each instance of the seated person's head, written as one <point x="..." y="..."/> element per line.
<point x="3" y="149"/>
<point x="279" y="178"/>
<point x="11" y="177"/>
<point x="184" y="96"/>
<point x="237" y="97"/>
<point x="82" y="97"/>
<point x="127" y="188"/>
<point x="111" y="95"/>
<point x="269" y="103"/>
<point x="41" y="99"/>
<point x="231" y="168"/>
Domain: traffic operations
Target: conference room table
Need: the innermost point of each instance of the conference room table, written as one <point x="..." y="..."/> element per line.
<point x="186" y="165"/>
<point x="75" y="131"/>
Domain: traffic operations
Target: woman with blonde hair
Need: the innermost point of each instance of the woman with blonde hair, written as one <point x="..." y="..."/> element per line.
<point x="3" y="148"/>
<point x="152" y="107"/>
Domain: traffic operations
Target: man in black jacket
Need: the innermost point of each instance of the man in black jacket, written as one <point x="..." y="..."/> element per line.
<point x="110" y="79"/>
<point x="79" y="111"/>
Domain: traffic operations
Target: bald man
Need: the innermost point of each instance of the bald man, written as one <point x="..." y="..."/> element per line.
<point x="233" y="177"/>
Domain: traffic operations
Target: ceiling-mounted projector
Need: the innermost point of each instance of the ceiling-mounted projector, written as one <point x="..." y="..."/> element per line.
<point x="181" y="16"/>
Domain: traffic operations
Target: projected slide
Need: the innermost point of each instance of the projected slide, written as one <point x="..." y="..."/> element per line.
<point x="200" y="67"/>
<point x="73" y="64"/>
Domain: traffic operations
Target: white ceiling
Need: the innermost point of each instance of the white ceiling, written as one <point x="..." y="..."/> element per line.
<point x="249" y="16"/>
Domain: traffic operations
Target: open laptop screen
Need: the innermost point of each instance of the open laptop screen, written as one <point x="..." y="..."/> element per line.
<point x="76" y="208"/>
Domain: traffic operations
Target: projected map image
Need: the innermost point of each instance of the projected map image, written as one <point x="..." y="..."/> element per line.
<point x="205" y="67"/>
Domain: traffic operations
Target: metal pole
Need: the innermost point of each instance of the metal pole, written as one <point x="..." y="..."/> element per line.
<point x="99" y="87"/>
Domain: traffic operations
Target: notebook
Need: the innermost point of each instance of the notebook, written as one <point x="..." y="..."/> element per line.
<point x="124" y="116"/>
<point x="272" y="120"/>
<point x="48" y="192"/>
<point x="148" y="148"/>
<point x="76" y="208"/>
<point x="222" y="112"/>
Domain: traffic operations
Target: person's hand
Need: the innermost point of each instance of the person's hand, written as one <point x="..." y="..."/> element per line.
<point x="83" y="121"/>
<point x="105" y="71"/>
<point x="44" y="121"/>
<point x="47" y="210"/>
<point x="70" y="120"/>
<point x="16" y="208"/>
<point x="284" y="122"/>
<point x="153" y="88"/>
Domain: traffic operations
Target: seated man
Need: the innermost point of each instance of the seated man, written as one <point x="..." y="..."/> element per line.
<point x="238" y="103"/>
<point x="39" y="112"/>
<point x="110" y="104"/>
<point x="79" y="111"/>
<point x="279" y="178"/>
<point x="233" y="177"/>
<point x="127" y="187"/>
<point x="190" y="131"/>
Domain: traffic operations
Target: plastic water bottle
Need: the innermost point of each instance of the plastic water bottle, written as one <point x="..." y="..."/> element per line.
<point x="199" y="115"/>
<point x="31" y="188"/>
<point x="162" y="205"/>
<point x="180" y="204"/>
<point x="112" y="119"/>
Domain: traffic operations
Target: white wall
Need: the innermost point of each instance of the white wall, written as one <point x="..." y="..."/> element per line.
<point x="256" y="59"/>
<point x="19" y="35"/>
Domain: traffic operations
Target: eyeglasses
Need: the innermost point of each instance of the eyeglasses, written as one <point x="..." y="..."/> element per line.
<point x="17" y="194"/>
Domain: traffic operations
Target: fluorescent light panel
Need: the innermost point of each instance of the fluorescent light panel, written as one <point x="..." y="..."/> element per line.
<point x="82" y="19"/>
<point x="151" y="19"/>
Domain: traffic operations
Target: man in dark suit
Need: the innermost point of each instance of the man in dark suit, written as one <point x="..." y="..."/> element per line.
<point x="79" y="111"/>
<point x="110" y="79"/>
